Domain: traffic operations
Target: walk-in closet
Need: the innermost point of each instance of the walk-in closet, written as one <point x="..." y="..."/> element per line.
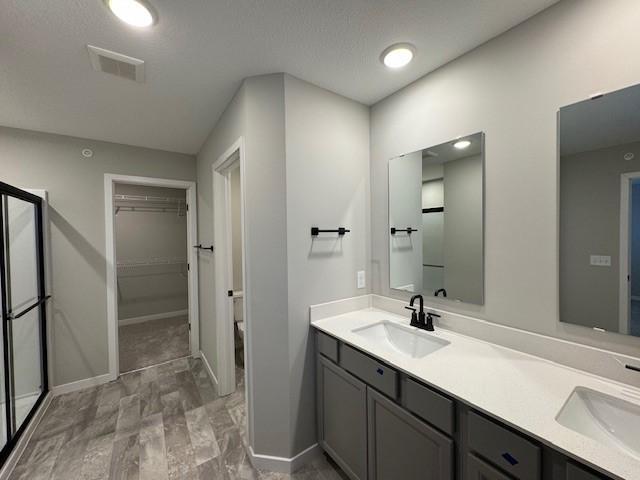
<point x="152" y="282"/>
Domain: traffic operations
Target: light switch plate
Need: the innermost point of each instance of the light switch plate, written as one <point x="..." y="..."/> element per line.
<point x="600" y="260"/>
<point x="361" y="280"/>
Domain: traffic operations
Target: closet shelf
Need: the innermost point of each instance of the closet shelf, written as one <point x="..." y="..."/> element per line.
<point x="150" y="262"/>
<point x="147" y="203"/>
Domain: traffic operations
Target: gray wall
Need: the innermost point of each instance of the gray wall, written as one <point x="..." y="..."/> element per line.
<point x="230" y="127"/>
<point x="76" y="194"/>
<point x="463" y="238"/>
<point x="236" y="228"/>
<point x="307" y="164"/>
<point x="143" y="236"/>
<point x="405" y="210"/>
<point x="511" y="88"/>
<point x="256" y="113"/>
<point x="327" y="171"/>
<point x="590" y="225"/>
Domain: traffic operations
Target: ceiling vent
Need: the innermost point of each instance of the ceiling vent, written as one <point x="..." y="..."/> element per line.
<point x="116" y="64"/>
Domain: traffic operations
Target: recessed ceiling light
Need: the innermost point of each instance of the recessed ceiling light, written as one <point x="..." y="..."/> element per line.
<point x="133" y="12"/>
<point x="461" y="144"/>
<point x="398" y="55"/>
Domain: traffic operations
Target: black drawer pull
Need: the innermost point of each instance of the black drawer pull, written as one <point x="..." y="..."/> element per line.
<point x="510" y="458"/>
<point x="380" y="371"/>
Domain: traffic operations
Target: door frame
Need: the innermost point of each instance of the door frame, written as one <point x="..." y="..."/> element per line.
<point x="225" y="347"/>
<point x="626" y="179"/>
<point x="110" y="180"/>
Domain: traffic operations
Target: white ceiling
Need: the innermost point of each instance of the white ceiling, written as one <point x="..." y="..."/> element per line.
<point x="200" y="51"/>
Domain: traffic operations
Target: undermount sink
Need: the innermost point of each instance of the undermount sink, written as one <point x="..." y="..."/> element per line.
<point x="408" y="341"/>
<point x="609" y="420"/>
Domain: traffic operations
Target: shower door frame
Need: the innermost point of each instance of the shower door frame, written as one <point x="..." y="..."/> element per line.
<point x="13" y="434"/>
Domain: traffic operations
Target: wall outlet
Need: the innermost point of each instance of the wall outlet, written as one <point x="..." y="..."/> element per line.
<point x="361" y="280"/>
<point x="600" y="260"/>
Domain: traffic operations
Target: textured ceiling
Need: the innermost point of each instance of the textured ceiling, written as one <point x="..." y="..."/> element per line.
<point x="200" y="51"/>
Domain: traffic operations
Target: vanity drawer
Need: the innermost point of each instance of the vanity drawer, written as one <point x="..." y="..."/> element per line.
<point x="429" y="405"/>
<point x="328" y="346"/>
<point x="377" y="374"/>
<point x="574" y="472"/>
<point x="514" y="454"/>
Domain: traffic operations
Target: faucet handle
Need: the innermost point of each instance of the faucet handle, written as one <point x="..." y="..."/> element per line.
<point x="414" y="316"/>
<point x="431" y="314"/>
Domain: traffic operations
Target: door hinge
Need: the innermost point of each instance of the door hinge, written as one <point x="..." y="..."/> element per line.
<point x="230" y="293"/>
<point x="189" y="326"/>
<point x="188" y="267"/>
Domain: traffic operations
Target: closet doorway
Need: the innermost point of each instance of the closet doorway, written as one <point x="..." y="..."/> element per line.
<point x="152" y="283"/>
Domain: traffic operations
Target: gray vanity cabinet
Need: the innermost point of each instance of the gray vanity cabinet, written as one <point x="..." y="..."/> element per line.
<point x="342" y="418"/>
<point x="480" y="470"/>
<point x="378" y="423"/>
<point x="403" y="447"/>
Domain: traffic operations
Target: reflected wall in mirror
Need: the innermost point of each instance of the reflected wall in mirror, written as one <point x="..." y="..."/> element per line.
<point x="436" y="220"/>
<point x="599" y="145"/>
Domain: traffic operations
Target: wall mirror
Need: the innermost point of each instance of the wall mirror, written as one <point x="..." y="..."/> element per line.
<point x="599" y="168"/>
<point x="436" y="220"/>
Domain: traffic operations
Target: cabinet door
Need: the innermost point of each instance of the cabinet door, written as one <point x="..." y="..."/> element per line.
<point x="479" y="470"/>
<point x="403" y="447"/>
<point x="342" y="418"/>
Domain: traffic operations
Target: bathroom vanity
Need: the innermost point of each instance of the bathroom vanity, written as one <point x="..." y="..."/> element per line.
<point x="393" y="404"/>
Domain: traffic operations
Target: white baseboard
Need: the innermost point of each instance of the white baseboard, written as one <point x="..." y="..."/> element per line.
<point x="154" y="316"/>
<point x="81" y="384"/>
<point x="282" y="464"/>
<point x="207" y="367"/>
<point x="18" y="449"/>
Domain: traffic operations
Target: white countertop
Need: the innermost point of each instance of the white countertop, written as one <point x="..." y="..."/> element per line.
<point x="520" y="390"/>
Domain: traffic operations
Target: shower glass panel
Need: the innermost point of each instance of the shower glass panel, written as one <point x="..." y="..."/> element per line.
<point x="22" y="255"/>
<point x="23" y="360"/>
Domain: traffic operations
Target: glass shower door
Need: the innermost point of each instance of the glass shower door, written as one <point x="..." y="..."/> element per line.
<point x="24" y="381"/>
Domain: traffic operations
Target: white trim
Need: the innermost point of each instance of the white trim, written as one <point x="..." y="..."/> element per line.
<point x="81" y="384"/>
<point x="624" y="289"/>
<point x="283" y="464"/>
<point x="224" y="306"/>
<point x="19" y="448"/>
<point x="110" y="257"/>
<point x="207" y="367"/>
<point x="153" y="316"/>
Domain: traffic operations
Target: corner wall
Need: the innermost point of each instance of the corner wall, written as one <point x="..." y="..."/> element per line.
<point x="327" y="168"/>
<point x="511" y="88"/>
<point x="307" y="164"/>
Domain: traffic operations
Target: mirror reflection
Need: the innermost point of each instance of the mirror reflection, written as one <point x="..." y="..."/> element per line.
<point x="436" y="216"/>
<point x="599" y="144"/>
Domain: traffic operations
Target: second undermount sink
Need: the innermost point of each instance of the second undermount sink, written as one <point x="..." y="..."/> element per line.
<point x="408" y="341"/>
<point x="609" y="420"/>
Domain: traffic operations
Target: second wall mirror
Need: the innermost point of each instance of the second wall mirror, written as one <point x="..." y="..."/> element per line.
<point x="436" y="220"/>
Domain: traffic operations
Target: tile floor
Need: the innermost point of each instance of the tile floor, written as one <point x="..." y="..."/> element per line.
<point x="160" y="423"/>
<point x="153" y="342"/>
